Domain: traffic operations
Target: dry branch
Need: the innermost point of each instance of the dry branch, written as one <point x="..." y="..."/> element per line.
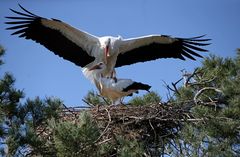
<point x="200" y="92"/>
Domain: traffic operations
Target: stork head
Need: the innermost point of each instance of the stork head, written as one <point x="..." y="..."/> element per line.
<point x="106" y="51"/>
<point x="106" y="44"/>
<point x="97" y="70"/>
<point x="100" y="66"/>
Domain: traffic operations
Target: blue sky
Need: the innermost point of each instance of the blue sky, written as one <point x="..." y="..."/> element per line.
<point x="41" y="73"/>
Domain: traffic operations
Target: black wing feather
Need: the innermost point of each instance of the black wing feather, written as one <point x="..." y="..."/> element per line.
<point x="196" y="43"/>
<point x="29" y="26"/>
<point x="183" y="47"/>
<point x="137" y="86"/>
<point x="23" y="14"/>
<point x="17" y="22"/>
<point x="26" y="10"/>
<point x="18" y="18"/>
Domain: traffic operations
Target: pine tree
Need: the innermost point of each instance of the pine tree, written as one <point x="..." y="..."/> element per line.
<point x="2" y="51"/>
<point x="9" y="100"/>
<point x="149" y="98"/>
<point x="201" y="118"/>
<point x="19" y="123"/>
<point x="215" y="91"/>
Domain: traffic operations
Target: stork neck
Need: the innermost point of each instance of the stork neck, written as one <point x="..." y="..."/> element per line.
<point x="98" y="80"/>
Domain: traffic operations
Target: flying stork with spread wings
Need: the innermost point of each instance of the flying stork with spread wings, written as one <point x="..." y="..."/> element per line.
<point x="86" y="50"/>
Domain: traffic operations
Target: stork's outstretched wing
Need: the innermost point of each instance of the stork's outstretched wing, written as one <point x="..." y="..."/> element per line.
<point x="153" y="47"/>
<point x="62" y="39"/>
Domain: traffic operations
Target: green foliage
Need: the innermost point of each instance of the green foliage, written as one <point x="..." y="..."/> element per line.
<point x="20" y="121"/>
<point x="212" y="130"/>
<point x="41" y="110"/>
<point x="22" y="134"/>
<point x="185" y="94"/>
<point x="94" y="99"/>
<point x="129" y="148"/>
<point x="147" y="99"/>
<point x="76" y="139"/>
<point x="2" y="51"/>
<point x="219" y="68"/>
<point x="9" y="96"/>
<point x="218" y="131"/>
<point x="9" y="100"/>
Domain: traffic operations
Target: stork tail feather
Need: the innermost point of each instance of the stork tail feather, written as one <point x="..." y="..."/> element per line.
<point x="137" y="86"/>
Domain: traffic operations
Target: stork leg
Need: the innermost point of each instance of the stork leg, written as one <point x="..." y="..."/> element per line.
<point x="115" y="79"/>
<point x="123" y="104"/>
<point x="121" y="101"/>
<point x="113" y="76"/>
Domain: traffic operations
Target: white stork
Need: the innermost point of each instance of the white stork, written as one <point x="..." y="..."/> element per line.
<point x="86" y="50"/>
<point x="115" y="90"/>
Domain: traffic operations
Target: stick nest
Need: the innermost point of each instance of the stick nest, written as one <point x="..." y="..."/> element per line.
<point x="149" y="123"/>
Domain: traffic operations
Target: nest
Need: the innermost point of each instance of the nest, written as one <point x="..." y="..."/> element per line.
<point x="143" y="122"/>
<point x="149" y="123"/>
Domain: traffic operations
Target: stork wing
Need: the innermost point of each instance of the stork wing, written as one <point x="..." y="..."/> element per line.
<point x="62" y="39"/>
<point x="121" y="84"/>
<point x="153" y="47"/>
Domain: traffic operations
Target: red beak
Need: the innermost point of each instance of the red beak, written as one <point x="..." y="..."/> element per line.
<point x="106" y="52"/>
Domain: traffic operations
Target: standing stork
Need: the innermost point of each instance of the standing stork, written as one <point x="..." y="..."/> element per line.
<point x="86" y="50"/>
<point x="115" y="90"/>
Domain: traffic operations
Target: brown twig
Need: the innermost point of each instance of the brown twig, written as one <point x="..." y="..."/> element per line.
<point x="155" y="134"/>
<point x="88" y="103"/>
<point x="106" y="128"/>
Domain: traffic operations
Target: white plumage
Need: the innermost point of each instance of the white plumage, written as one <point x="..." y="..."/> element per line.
<point x="114" y="90"/>
<point x="86" y="50"/>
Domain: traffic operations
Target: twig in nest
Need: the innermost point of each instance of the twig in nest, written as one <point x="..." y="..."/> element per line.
<point x="69" y="110"/>
<point x="105" y="101"/>
<point x="106" y="128"/>
<point x="180" y="120"/>
<point x="104" y="141"/>
<point x="88" y="103"/>
<point x="155" y="134"/>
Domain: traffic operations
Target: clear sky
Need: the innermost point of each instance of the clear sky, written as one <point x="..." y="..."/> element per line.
<point x="41" y="73"/>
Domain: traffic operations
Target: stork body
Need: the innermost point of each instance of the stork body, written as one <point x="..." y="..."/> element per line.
<point x="114" y="90"/>
<point x="86" y="50"/>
